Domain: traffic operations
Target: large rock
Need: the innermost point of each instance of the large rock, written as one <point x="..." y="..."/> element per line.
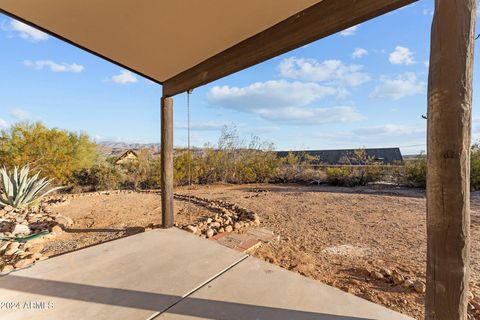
<point x="191" y="229"/>
<point x="64" y="221"/>
<point x="7" y="268"/>
<point x="210" y="233"/>
<point x="397" y="277"/>
<point x="56" y="229"/>
<point x="21" y="229"/>
<point x="419" y="286"/>
<point x="23" y="263"/>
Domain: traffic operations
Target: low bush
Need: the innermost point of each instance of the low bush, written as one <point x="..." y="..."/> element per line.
<point x="475" y="167"/>
<point x="102" y="176"/>
<point x="416" y="171"/>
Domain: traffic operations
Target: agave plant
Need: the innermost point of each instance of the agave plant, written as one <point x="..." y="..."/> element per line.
<point x="19" y="190"/>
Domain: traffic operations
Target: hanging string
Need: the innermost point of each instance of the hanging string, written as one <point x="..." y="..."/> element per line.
<point x="189" y="157"/>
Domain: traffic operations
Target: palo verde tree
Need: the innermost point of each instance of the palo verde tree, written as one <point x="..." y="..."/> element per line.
<point x="55" y="153"/>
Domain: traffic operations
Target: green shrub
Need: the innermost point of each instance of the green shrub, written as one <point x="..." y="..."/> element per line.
<point x="475" y="167"/>
<point x="143" y="173"/>
<point x="416" y="171"/>
<point x="341" y="176"/>
<point x="53" y="152"/>
<point x="102" y="176"/>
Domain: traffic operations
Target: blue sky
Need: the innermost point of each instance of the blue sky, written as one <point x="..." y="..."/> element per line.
<point x="363" y="87"/>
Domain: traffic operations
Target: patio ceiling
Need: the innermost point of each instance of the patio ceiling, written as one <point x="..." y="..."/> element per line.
<point x="183" y="44"/>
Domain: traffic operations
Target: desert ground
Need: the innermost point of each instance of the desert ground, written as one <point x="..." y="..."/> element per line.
<point x="332" y="234"/>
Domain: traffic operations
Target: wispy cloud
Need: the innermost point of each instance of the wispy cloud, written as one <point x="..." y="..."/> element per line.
<point x="205" y="126"/>
<point x="409" y="137"/>
<point x="20" y="114"/>
<point x="359" y="52"/>
<point x="401" y="55"/>
<point x="3" y="124"/>
<point x="283" y="101"/>
<point x="125" y="77"/>
<point x="403" y="85"/>
<point x="53" y="66"/>
<point x="349" y="32"/>
<point x="332" y="71"/>
<point x="24" y="31"/>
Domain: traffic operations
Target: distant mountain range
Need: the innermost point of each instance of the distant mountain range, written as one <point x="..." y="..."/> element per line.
<point x="115" y="148"/>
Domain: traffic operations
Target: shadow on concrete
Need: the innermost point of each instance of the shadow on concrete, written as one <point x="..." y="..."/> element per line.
<point x="189" y="306"/>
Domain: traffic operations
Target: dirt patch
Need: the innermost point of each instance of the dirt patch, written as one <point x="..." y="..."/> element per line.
<point x="338" y="235"/>
<point x="104" y="217"/>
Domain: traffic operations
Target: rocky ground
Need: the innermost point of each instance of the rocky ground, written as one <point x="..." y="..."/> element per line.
<point x="370" y="241"/>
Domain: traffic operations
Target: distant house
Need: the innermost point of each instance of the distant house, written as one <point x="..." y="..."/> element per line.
<point x="126" y="157"/>
<point x="337" y="157"/>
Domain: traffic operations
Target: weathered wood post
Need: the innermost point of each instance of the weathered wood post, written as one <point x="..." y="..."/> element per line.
<point x="167" y="161"/>
<point x="448" y="154"/>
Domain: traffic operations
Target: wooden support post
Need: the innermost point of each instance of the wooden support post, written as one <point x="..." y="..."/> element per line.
<point x="448" y="154"/>
<point x="167" y="161"/>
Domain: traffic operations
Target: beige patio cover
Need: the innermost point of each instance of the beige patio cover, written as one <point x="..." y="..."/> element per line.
<point x="163" y="38"/>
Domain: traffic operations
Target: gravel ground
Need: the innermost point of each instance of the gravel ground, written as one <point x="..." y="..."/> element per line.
<point x="335" y="235"/>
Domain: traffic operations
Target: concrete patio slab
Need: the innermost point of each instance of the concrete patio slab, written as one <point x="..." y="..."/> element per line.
<point x="254" y="289"/>
<point x="129" y="278"/>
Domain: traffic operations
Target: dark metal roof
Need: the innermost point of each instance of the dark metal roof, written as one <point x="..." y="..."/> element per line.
<point x="333" y="157"/>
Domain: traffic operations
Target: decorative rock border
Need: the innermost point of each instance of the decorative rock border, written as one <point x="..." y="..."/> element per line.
<point x="228" y="216"/>
<point x="397" y="278"/>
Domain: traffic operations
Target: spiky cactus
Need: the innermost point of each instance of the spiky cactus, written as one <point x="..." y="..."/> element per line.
<point x="19" y="190"/>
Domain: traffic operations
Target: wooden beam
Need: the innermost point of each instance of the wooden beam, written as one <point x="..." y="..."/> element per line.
<point x="167" y="161"/>
<point x="448" y="154"/>
<point x="320" y="20"/>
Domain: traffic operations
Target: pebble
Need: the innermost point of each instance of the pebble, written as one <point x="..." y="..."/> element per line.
<point x="210" y="233"/>
<point x="408" y="284"/>
<point x="376" y="275"/>
<point x="397" y="278"/>
<point x="8" y="208"/>
<point x="65" y="221"/>
<point x="56" y="229"/>
<point x="386" y="272"/>
<point x="21" y="229"/>
<point x="419" y="286"/>
<point x="191" y="229"/>
<point x="228" y="228"/>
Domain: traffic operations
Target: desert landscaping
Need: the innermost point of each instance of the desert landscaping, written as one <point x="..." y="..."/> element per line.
<point x="368" y="241"/>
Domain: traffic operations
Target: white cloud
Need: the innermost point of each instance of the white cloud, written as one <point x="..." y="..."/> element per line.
<point x="389" y="130"/>
<point x="3" y="124"/>
<point x="403" y="85"/>
<point x="53" y="66"/>
<point x="349" y="32"/>
<point x="401" y="55"/>
<point x="281" y="100"/>
<point x="311" y="115"/>
<point x="125" y="77"/>
<point x="426" y="63"/>
<point x="204" y="126"/>
<point x="26" y="32"/>
<point x="359" y="52"/>
<point x="409" y="137"/>
<point x="334" y="71"/>
<point x="19" y="114"/>
<point x="428" y="12"/>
